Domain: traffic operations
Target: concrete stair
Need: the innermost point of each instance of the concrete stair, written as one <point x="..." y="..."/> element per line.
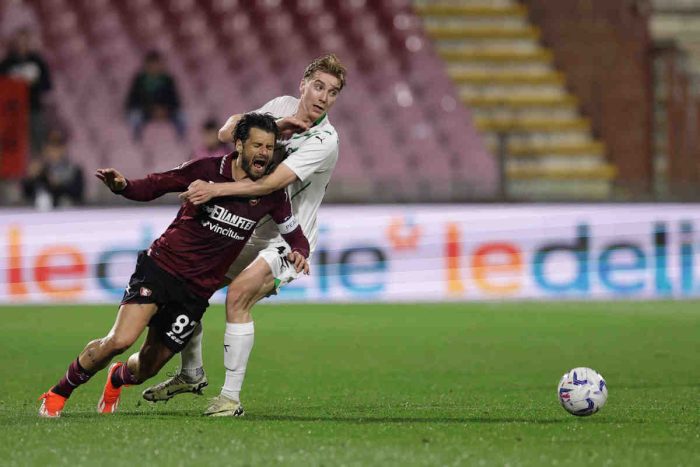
<point x="519" y="99"/>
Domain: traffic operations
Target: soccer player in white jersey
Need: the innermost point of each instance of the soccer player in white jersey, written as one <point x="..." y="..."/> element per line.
<point x="309" y="148"/>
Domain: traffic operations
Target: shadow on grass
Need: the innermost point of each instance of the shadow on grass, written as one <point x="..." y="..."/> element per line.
<point x="357" y="419"/>
<point x="183" y="416"/>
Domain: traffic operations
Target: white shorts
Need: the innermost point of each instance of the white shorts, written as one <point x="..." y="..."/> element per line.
<point x="275" y="255"/>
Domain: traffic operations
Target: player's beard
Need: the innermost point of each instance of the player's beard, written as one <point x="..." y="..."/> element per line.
<point x="247" y="166"/>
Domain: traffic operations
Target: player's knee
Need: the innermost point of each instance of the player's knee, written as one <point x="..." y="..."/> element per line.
<point x="239" y="297"/>
<point x="117" y="344"/>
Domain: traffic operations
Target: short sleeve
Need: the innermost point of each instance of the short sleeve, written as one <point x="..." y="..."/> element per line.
<point x="274" y="107"/>
<point x="318" y="154"/>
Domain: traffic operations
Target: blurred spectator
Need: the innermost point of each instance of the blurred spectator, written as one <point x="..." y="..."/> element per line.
<point x="24" y="63"/>
<point x="211" y="146"/>
<point x="54" y="180"/>
<point x="16" y="15"/>
<point x="153" y="96"/>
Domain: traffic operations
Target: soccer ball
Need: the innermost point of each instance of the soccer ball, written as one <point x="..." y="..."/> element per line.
<point x="582" y="391"/>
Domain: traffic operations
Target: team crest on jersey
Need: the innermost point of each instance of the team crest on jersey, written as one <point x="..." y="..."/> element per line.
<point x="145" y="292"/>
<point x="254" y="201"/>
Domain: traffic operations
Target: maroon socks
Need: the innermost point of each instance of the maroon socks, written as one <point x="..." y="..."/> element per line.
<point x="123" y="376"/>
<point x="77" y="375"/>
<point x="74" y="377"/>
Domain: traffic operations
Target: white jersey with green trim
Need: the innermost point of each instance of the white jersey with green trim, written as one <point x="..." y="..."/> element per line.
<point x="312" y="156"/>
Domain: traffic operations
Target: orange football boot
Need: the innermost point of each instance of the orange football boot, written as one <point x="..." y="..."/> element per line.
<point x="51" y="405"/>
<point x="110" y="395"/>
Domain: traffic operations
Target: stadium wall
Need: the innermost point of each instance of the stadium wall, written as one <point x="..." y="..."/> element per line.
<point x="388" y="253"/>
<point x="604" y="48"/>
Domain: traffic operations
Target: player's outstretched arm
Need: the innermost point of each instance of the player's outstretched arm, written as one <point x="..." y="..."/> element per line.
<point x="114" y="180"/>
<point x="154" y="185"/>
<point x="199" y="191"/>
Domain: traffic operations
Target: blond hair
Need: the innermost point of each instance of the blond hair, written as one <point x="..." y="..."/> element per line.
<point x="328" y="63"/>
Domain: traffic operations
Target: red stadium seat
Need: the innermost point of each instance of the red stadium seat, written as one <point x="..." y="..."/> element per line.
<point x="162" y="148"/>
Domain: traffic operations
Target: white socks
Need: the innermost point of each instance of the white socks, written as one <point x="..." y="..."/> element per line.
<point x="191" y="366"/>
<point x="238" y="343"/>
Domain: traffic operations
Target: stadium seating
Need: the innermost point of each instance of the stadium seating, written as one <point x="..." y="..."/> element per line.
<point x="503" y="73"/>
<point x="399" y="118"/>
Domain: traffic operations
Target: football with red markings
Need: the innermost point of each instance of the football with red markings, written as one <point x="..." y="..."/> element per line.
<point x="582" y="391"/>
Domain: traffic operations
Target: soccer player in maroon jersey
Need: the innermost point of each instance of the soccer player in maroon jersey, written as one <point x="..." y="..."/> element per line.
<point x="180" y="271"/>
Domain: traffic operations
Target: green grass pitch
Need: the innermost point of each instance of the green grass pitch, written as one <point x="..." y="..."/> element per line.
<point x="433" y="384"/>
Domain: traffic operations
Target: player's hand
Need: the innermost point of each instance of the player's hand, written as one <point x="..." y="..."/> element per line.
<point x="112" y="178"/>
<point x="288" y="126"/>
<point x="300" y="263"/>
<point x="199" y="192"/>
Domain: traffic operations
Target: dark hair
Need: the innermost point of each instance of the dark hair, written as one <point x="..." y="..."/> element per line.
<point x="264" y="122"/>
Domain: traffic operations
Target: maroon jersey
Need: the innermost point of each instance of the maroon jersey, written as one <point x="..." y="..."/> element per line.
<point x="203" y="241"/>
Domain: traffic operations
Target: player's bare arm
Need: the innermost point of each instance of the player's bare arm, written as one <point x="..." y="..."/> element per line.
<point x="114" y="180"/>
<point x="199" y="191"/>
<point x="226" y="131"/>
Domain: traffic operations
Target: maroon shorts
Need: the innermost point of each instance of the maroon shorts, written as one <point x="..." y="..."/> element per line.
<point x="179" y="310"/>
